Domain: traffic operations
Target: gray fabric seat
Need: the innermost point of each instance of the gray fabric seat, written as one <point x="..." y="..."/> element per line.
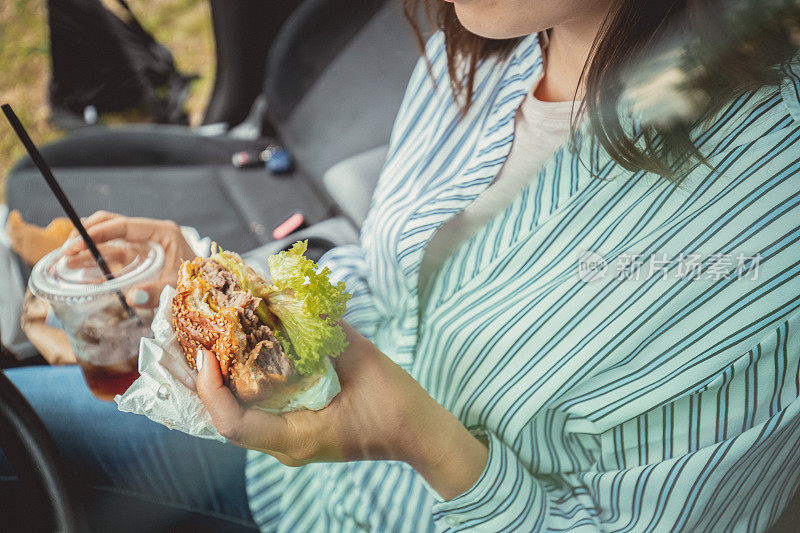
<point x="237" y="208"/>
<point x="350" y="182"/>
<point x="351" y="106"/>
<point x="341" y="103"/>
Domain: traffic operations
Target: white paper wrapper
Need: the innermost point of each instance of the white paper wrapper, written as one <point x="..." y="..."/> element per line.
<point x="166" y="390"/>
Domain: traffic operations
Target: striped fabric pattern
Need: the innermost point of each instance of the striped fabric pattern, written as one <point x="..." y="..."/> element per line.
<point x="629" y="348"/>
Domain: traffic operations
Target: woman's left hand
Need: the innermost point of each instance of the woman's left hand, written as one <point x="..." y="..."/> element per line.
<point x="380" y="413"/>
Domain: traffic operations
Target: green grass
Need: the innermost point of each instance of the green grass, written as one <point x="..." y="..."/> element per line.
<point x="183" y="26"/>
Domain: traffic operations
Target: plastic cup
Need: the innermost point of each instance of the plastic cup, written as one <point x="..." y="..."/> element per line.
<point x="104" y="337"/>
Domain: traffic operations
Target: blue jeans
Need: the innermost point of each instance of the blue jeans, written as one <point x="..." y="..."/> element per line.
<point x="129" y="455"/>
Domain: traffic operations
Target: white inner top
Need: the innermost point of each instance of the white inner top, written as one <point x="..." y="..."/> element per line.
<point x="540" y="128"/>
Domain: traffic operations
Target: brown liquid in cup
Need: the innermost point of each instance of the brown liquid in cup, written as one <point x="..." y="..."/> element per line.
<point x="107" y="345"/>
<point x="105" y="382"/>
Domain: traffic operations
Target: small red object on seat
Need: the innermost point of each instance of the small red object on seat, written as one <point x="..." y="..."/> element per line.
<point x="293" y="223"/>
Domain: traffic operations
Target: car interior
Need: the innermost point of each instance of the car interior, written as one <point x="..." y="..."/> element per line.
<point x="313" y="75"/>
<point x="322" y="74"/>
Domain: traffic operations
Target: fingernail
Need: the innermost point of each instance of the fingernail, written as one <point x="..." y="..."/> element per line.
<point x="139" y="297"/>
<point x="198" y="360"/>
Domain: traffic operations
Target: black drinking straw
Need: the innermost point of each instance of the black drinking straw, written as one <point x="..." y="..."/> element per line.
<point x="40" y="163"/>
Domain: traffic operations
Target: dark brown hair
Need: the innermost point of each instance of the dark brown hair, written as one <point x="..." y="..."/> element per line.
<point x="631" y="30"/>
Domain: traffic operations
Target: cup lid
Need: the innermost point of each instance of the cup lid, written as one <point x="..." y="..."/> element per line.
<point x="77" y="279"/>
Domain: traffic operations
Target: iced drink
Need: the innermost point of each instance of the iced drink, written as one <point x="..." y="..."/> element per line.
<point x="102" y="333"/>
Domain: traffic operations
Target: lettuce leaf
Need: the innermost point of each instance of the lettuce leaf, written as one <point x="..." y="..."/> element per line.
<point x="308" y="306"/>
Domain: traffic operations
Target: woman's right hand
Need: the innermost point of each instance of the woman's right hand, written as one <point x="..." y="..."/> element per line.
<point x="103" y="226"/>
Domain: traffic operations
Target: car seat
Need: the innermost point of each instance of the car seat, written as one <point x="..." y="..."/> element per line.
<point x="335" y="76"/>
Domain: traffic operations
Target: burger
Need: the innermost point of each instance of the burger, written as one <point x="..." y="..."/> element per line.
<point x="273" y="337"/>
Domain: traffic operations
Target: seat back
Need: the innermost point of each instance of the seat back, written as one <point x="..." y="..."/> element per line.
<point x="335" y="78"/>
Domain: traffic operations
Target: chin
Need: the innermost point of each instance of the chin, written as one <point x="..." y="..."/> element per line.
<point x="489" y="26"/>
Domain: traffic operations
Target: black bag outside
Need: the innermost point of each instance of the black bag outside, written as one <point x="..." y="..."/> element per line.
<point x="100" y="60"/>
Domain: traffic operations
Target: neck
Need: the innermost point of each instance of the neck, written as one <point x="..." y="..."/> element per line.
<point x="566" y="55"/>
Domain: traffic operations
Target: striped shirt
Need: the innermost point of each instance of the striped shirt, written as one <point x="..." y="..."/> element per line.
<point x="628" y="347"/>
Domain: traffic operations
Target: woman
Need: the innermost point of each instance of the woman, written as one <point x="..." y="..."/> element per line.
<point x="492" y="380"/>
